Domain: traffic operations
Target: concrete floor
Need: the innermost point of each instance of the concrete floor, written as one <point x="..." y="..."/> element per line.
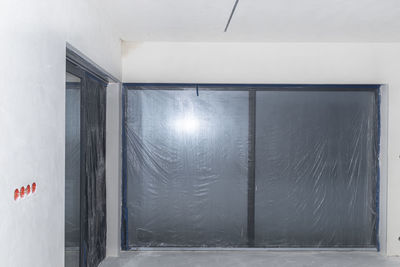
<point x="250" y="258"/>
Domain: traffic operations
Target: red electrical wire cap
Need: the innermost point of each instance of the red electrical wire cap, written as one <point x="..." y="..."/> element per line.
<point x="16" y="194"/>
<point x="22" y="192"/>
<point x="28" y="189"/>
<point x="33" y="187"/>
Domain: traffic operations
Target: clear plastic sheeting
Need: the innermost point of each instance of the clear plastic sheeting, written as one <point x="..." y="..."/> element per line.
<point x="85" y="182"/>
<point x="246" y="166"/>
<point x="72" y="164"/>
<point x="315" y="169"/>
<point x="187" y="168"/>
<point x="94" y="224"/>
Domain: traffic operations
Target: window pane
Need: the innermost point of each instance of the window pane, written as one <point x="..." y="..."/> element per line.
<point x="72" y="169"/>
<point x="315" y="169"/>
<point x="72" y="161"/>
<point x="187" y="167"/>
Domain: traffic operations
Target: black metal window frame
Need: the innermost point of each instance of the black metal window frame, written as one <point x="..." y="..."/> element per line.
<point x="252" y="90"/>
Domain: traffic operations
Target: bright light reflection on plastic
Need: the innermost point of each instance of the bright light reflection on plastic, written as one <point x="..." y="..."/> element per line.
<point x="188" y="124"/>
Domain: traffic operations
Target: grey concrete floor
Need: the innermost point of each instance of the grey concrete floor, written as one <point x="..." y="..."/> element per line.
<point x="250" y="258"/>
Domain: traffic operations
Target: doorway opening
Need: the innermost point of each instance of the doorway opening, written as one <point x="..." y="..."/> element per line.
<point x="85" y="184"/>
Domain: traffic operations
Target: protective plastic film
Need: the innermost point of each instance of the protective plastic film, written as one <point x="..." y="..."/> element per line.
<point x="246" y="166"/>
<point x="72" y="164"/>
<point x="315" y="169"/>
<point x="187" y="168"/>
<point x="94" y="225"/>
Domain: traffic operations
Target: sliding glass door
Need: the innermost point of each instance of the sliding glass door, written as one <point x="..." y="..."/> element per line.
<point x="85" y="191"/>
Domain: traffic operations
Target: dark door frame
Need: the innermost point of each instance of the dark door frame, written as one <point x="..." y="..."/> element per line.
<point x="79" y="66"/>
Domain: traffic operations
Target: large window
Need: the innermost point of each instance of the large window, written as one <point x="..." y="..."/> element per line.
<point x="250" y="166"/>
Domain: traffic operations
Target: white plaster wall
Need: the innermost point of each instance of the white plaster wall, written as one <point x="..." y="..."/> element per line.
<point x="33" y="36"/>
<point x="283" y="63"/>
<point x="383" y="161"/>
<point x="113" y="169"/>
